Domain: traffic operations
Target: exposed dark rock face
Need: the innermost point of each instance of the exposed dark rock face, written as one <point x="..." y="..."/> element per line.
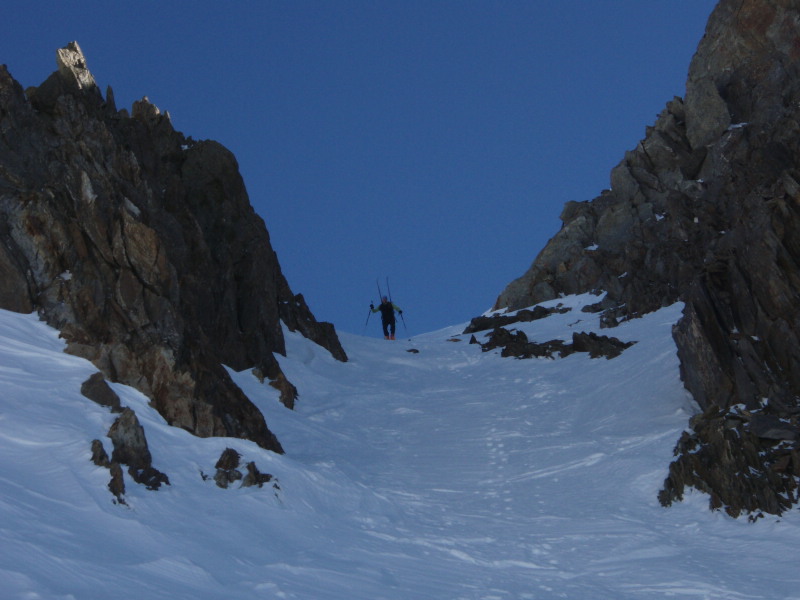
<point x="227" y="468"/>
<point x="516" y="344"/>
<point x="523" y="316"/>
<point x="254" y="477"/>
<point x="140" y="245"/>
<point x="598" y="345"/>
<point x="99" y="455"/>
<point x="227" y="472"/>
<point x="130" y="448"/>
<point x="746" y="462"/>
<point x="97" y="390"/>
<point x="117" y="483"/>
<point x="706" y="209"/>
<point x="286" y="388"/>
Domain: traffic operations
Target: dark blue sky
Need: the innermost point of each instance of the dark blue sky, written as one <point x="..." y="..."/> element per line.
<point x="431" y="142"/>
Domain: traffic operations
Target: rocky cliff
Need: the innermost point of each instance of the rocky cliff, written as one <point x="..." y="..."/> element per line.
<point x="140" y="245"/>
<point x="706" y="210"/>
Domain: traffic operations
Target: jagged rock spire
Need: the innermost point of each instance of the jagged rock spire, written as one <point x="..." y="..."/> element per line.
<point x="72" y="67"/>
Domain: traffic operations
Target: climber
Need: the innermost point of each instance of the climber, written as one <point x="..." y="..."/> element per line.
<point x="387" y="308"/>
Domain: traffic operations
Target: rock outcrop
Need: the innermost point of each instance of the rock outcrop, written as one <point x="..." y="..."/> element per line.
<point x="516" y="344"/>
<point x="706" y="210"/>
<point x="485" y="322"/>
<point x="140" y="245"/>
<point x="128" y="440"/>
<point x="227" y="472"/>
<point x="130" y="448"/>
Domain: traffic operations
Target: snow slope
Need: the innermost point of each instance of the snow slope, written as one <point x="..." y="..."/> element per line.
<point x="443" y="474"/>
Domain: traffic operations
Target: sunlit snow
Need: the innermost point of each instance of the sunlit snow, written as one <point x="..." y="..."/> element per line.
<point x="443" y="474"/>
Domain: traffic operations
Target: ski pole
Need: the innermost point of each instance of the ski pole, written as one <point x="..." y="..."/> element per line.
<point x="403" y="319"/>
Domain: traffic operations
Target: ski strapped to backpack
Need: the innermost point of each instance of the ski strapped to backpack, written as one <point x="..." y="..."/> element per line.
<point x="380" y="298"/>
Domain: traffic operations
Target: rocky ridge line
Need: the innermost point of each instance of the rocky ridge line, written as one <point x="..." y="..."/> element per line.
<point x="140" y="245"/>
<point x="706" y="210"/>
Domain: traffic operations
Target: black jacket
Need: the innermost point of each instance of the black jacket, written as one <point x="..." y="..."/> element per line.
<point x="387" y="311"/>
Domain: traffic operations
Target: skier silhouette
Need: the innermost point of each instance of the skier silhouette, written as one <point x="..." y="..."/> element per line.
<point x="387" y="308"/>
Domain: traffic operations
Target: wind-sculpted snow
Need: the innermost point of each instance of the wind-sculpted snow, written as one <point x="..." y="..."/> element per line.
<point x="444" y="474"/>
